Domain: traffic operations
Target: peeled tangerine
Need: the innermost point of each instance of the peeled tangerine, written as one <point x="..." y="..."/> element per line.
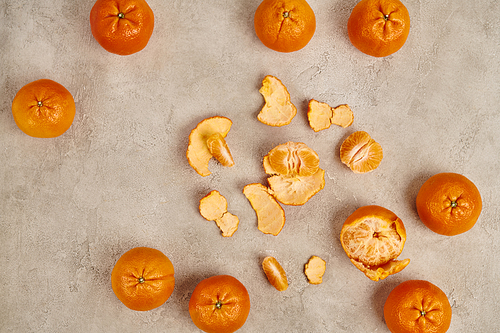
<point x="207" y="141"/>
<point x="373" y="237"/>
<point x="275" y="273"/>
<point x="213" y="207"/>
<point x="295" y="173"/>
<point x="315" y="269"/>
<point x="322" y="115"/>
<point x="278" y="109"/>
<point x="361" y="153"/>
<point x="270" y="215"/>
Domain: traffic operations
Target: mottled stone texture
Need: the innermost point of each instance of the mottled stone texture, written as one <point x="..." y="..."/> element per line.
<point x="119" y="178"/>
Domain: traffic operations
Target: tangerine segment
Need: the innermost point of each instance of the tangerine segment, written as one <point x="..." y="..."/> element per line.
<point x="322" y="115"/>
<point x="275" y="273"/>
<point x="219" y="149"/>
<point x="296" y="190"/>
<point x="198" y="152"/>
<point x="449" y="203"/>
<point x="213" y="207"/>
<point x="361" y="153"/>
<point x="270" y="215"/>
<point x="315" y="269"/>
<point x="278" y="109"/>
<point x="373" y="237"/>
<point x="292" y="159"/>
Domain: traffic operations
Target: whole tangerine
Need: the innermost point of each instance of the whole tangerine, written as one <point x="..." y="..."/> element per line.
<point x="449" y="203"/>
<point x="43" y="109"/>
<point x="417" y="306"/>
<point x="285" y="25"/>
<point x="122" y="26"/>
<point x="378" y="27"/>
<point x="219" y="304"/>
<point x="143" y="278"/>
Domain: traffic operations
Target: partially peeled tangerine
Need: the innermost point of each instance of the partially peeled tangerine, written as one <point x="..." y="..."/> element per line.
<point x="373" y="237"/>
<point x="213" y="207"/>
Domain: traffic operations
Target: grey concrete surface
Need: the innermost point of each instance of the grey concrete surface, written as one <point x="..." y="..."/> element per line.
<point x="119" y="178"/>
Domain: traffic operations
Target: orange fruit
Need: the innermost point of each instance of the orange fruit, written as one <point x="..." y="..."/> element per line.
<point x="417" y="306"/>
<point x="284" y="25"/>
<point x="122" y="26"/>
<point x="379" y="27"/>
<point x="43" y="109"/>
<point x="361" y="153"/>
<point x="143" y="278"/>
<point x="373" y="237"/>
<point x="449" y="204"/>
<point x="219" y="304"/>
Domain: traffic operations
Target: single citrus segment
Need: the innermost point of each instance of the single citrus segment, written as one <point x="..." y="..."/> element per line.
<point x="285" y="25"/>
<point x="43" y="109"/>
<point x="213" y="207"/>
<point x="206" y="132"/>
<point x="122" y="26"/>
<point x="295" y="173"/>
<point x="417" y="306"/>
<point x="361" y="153"/>
<point x="315" y="269"/>
<point x="379" y="27"/>
<point x="270" y="215"/>
<point x="322" y="115"/>
<point x="278" y="110"/>
<point x="275" y="273"/>
<point x="219" y="149"/>
<point x="373" y="237"/>
<point x="219" y="304"/>
<point x="449" y="203"/>
<point x="143" y="278"/>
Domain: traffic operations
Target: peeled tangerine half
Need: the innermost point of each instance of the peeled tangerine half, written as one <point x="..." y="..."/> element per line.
<point x="361" y="153"/>
<point x="295" y="173"/>
<point x="322" y="115"/>
<point x="213" y="207"/>
<point x="207" y="141"/>
<point x="373" y="237"/>
<point x="278" y="109"/>
<point x="270" y="215"/>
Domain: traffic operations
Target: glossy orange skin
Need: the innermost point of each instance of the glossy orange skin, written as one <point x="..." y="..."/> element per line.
<point x="417" y="306"/>
<point x="284" y="25"/>
<point x="219" y="304"/>
<point x="449" y="204"/>
<point x="379" y="27"/>
<point x="143" y="278"/>
<point x="43" y="109"/>
<point x="122" y="26"/>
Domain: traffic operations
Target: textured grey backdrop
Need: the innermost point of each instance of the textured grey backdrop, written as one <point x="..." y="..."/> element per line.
<point x="70" y="206"/>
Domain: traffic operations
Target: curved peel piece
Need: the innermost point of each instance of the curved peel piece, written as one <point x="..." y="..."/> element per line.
<point x="198" y="153"/>
<point x="278" y="109"/>
<point x="315" y="269"/>
<point x="213" y="207"/>
<point x="270" y="215"/>
<point x="322" y="115"/>
<point x="296" y="190"/>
